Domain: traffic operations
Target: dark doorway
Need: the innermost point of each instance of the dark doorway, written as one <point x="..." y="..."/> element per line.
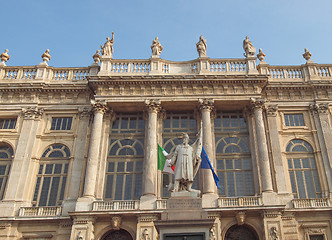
<point x="117" y="235"/>
<point x="241" y="232"/>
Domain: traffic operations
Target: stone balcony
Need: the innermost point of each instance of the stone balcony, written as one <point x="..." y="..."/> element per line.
<point x="39" y="211"/>
<point x="311" y="203"/>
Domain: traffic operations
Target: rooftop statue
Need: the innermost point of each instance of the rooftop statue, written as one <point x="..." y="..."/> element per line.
<point x="4" y="56"/>
<point x="107" y="49"/>
<point x="201" y="47"/>
<point x="156" y="48"/>
<point x="248" y="48"/>
<point x="187" y="160"/>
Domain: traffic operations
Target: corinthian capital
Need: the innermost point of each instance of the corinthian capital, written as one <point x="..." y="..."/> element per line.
<point x="319" y="108"/>
<point x="206" y="103"/>
<point x="153" y="105"/>
<point x="98" y="106"/>
<point x="257" y="103"/>
<point x="272" y="110"/>
<point x="32" y="112"/>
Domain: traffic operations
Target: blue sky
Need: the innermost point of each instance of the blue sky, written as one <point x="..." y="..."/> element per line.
<point x="74" y="30"/>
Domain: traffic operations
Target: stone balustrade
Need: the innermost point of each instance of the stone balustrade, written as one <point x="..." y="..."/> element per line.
<point x="115" y="205"/>
<point x="39" y="211"/>
<point x="123" y="67"/>
<point x="161" y="204"/>
<point x="239" y="202"/>
<point x="311" y="203"/>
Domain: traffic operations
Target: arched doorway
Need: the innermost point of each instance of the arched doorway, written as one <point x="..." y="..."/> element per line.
<point x="241" y="232"/>
<point x="117" y="235"/>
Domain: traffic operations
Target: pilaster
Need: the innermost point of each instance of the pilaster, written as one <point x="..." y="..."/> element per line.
<point x="273" y="228"/>
<point x="145" y="227"/>
<point x="78" y="161"/>
<point x="19" y="183"/>
<point x="152" y="108"/>
<point x="83" y="228"/>
<point x="277" y="162"/>
<point x="320" y="113"/>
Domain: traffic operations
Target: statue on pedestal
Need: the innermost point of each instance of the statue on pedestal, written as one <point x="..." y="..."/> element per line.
<point x="187" y="160"/>
<point x="201" y="47"/>
<point x="156" y="47"/>
<point x="248" y="48"/>
<point x="107" y="49"/>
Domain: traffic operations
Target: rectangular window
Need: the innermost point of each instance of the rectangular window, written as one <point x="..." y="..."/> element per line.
<point x="316" y="237"/>
<point x="8" y="123"/>
<point x="61" y="123"/>
<point x="294" y="119"/>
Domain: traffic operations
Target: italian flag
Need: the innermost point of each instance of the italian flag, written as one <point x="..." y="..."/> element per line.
<point x="163" y="162"/>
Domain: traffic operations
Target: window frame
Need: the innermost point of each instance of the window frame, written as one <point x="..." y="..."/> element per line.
<point x="305" y="120"/>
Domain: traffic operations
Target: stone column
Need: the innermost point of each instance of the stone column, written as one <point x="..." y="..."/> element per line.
<point x="324" y="133"/>
<point x="276" y="149"/>
<point x="78" y="161"/>
<point x="18" y="185"/>
<point x="93" y="155"/>
<point x="257" y="106"/>
<point x="206" y="107"/>
<point x="152" y="107"/>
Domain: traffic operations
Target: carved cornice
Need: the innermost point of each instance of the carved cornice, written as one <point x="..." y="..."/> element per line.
<point x="152" y="105"/>
<point x="321" y="108"/>
<point x="32" y="112"/>
<point x="271" y="214"/>
<point x="99" y="107"/>
<point x="271" y="110"/>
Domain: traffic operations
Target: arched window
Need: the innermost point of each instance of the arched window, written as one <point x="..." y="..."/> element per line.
<point x="233" y="157"/>
<point x="238" y="232"/>
<point x="117" y="235"/>
<point x="302" y="169"/>
<point x="125" y="158"/>
<point x="6" y="156"/>
<point x="52" y="176"/>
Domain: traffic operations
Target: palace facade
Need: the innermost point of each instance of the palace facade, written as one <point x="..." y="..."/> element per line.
<point x="78" y="148"/>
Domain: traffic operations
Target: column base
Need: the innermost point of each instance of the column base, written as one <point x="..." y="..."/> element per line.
<point x="84" y="204"/>
<point x="148" y="202"/>
<point x="270" y="198"/>
<point x="210" y="200"/>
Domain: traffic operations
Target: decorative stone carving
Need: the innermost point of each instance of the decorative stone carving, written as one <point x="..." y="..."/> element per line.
<point x="156" y="48"/>
<point x="248" y="48"/>
<point x="84" y="112"/>
<point x="240" y="218"/>
<point x="46" y="56"/>
<point x="261" y="55"/>
<point x="80" y="236"/>
<point x="152" y="105"/>
<point x="274" y="233"/>
<point x="257" y="103"/>
<point x="201" y="47"/>
<point x="319" y="108"/>
<point x="116" y="222"/>
<point x="212" y="233"/>
<point x="107" y="49"/>
<point x="307" y="55"/>
<point x="4" y="56"/>
<point x="206" y="103"/>
<point x="272" y="110"/>
<point x="145" y="234"/>
<point x="99" y="106"/>
<point x="32" y="112"/>
<point x="96" y="57"/>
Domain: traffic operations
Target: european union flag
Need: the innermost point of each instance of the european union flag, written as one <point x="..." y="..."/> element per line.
<point x="206" y="164"/>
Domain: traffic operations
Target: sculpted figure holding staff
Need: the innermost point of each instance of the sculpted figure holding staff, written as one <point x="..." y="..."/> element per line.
<point x="187" y="160"/>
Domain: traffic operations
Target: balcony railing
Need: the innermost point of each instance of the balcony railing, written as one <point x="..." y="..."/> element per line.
<point x="39" y="211"/>
<point x="161" y="204"/>
<point x="311" y="203"/>
<point x="239" y="202"/>
<point x="115" y="205"/>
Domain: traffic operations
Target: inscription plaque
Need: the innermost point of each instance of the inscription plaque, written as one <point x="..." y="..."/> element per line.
<point x="189" y="203"/>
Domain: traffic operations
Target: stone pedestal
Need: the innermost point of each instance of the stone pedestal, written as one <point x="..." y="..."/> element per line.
<point x="184" y="217"/>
